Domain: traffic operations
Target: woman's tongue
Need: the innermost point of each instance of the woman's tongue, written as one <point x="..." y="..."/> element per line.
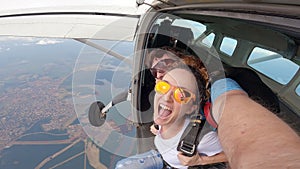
<point x="164" y="112"/>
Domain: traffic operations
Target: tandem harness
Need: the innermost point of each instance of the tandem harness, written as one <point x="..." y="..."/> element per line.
<point x="199" y="125"/>
<point x="190" y="138"/>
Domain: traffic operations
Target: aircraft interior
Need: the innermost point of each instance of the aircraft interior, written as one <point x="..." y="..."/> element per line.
<point x="234" y="42"/>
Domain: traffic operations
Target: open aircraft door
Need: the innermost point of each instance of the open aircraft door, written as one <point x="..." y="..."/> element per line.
<point x="96" y="80"/>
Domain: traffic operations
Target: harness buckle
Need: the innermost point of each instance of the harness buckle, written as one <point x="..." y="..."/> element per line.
<point x="187" y="149"/>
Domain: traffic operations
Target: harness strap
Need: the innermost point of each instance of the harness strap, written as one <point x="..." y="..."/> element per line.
<point x="190" y="138"/>
<point x="167" y="166"/>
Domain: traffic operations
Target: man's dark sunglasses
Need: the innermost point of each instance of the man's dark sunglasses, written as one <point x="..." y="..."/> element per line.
<point x="161" y="67"/>
<point x="155" y="72"/>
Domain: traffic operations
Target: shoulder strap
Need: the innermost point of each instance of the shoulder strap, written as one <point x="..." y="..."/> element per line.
<point x="193" y="132"/>
<point x="190" y="138"/>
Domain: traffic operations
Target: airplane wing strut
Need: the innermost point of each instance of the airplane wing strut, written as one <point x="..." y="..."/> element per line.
<point x="110" y="52"/>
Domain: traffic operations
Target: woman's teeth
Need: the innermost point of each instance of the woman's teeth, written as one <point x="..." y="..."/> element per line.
<point x="165" y="107"/>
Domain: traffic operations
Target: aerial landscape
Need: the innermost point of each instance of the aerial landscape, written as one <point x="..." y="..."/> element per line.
<point x="37" y="112"/>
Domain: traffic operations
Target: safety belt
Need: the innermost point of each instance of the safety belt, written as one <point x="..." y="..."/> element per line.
<point x="190" y="138"/>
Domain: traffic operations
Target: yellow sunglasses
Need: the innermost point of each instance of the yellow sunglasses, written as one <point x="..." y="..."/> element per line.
<point x="180" y="95"/>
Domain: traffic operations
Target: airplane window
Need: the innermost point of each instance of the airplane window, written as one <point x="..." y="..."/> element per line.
<point x="197" y="28"/>
<point x="273" y="65"/>
<point x="298" y="90"/>
<point x="228" y="45"/>
<point x="208" y="40"/>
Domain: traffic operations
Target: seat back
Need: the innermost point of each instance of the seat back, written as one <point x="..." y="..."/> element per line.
<point x="174" y="36"/>
<point x="255" y="87"/>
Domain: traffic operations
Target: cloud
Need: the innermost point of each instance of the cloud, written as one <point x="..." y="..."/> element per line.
<point x="28" y="41"/>
<point x="4" y="49"/>
<point x="48" y="41"/>
<point x="16" y="38"/>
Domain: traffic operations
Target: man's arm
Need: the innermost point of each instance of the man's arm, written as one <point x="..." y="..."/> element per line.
<point x="252" y="136"/>
<point x="201" y="160"/>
